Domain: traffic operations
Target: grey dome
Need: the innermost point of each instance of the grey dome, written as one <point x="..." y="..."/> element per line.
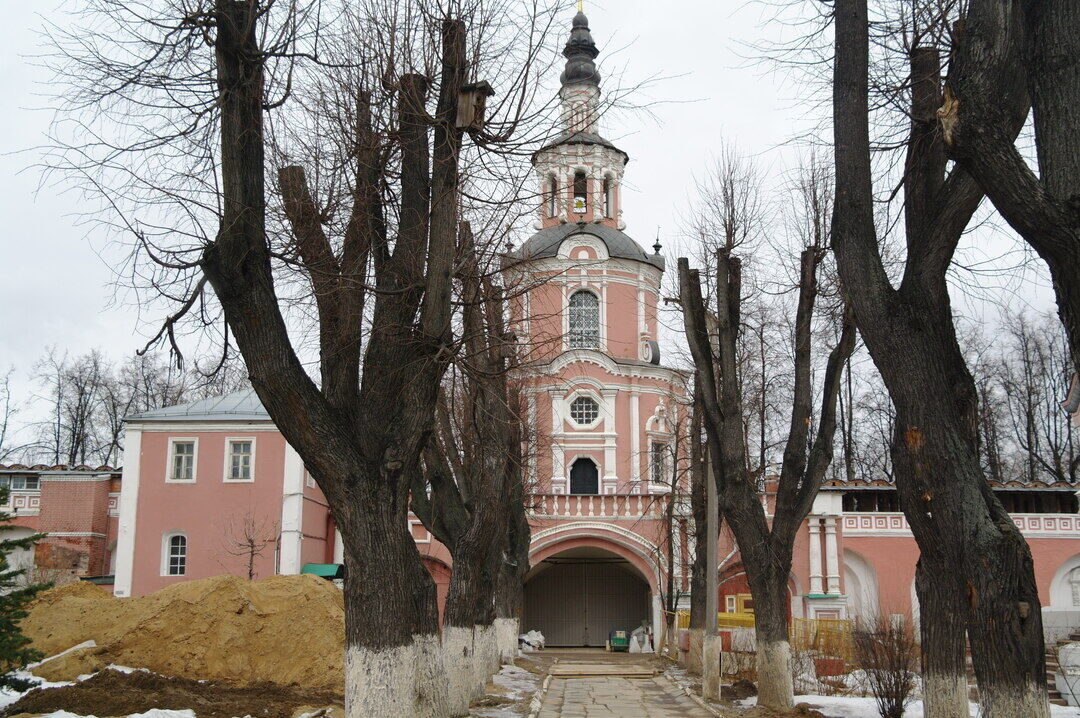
<point x="545" y="243"/>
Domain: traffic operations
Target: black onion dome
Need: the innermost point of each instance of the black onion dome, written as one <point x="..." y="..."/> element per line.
<point x="580" y="51"/>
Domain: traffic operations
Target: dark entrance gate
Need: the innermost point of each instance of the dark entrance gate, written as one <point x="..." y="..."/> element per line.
<point x="576" y="600"/>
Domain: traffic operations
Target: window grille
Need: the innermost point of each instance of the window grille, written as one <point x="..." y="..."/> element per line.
<point x="584" y="321"/>
<point x="656" y="461"/>
<point x="584" y="410"/>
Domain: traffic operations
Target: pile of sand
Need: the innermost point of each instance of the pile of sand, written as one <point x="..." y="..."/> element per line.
<point x="284" y="629"/>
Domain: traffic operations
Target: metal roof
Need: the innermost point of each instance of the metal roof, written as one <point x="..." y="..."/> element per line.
<point x="580" y="138"/>
<point x="241" y="405"/>
<point x="545" y="243"/>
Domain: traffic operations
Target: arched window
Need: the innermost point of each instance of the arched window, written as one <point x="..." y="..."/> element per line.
<point x="609" y="207"/>
<point x="552" y="196"/>
<point x="584" y="410"/>
<point x="581" y="193"/>
<point x="584" y="311"/>
<point x="584" y="477"/>
<point x="174" y="559"/>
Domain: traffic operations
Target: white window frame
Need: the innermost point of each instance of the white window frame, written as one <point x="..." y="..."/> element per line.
<point x="173" y="441"/>
<point x="600" y="336"/>
<point x="226" y="475"/>
<point x="166" y="541"/>
<point x="590" y="395"/>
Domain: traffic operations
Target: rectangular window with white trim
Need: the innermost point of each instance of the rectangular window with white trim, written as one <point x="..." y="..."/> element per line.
<point x="182" y="460"/>
<point x="240" y="460"/>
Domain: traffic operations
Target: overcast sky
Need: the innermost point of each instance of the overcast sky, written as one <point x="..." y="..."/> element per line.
<point x="56" y="284"/>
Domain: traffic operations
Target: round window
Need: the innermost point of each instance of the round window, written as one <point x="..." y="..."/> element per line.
<point x="584" y="410"/>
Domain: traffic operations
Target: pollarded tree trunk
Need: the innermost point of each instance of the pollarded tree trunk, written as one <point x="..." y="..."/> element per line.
<point x="766" y="549"/>
<point x="954" y="516"/>
<point x="513" y="562"/>
<point x="360" y="439"/>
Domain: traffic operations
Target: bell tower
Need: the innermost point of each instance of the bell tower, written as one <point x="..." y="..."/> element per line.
<point x="580" y="172"/>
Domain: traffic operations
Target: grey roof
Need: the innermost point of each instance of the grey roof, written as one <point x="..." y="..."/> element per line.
<point x="545" y="243"/>
<point x="581" y="138"/>
<point x="241" y="405"/>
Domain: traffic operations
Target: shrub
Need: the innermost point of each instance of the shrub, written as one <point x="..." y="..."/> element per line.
<point x="886" y="651"/>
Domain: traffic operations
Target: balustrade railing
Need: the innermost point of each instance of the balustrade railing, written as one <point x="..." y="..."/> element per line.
<point x="614" y="506"/>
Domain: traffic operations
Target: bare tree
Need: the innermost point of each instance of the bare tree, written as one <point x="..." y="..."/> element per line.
<point x="369" y="264"/>
<point x="8" y="411"/>
<point x="247" y="536"/>
<point x="975" y="569"/>
<point x="1016" y="58"/>
<point x="471" y="465"/>
<point x="766" y="550"/>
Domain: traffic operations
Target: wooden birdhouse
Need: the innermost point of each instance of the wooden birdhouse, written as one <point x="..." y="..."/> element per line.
<point x="472" y="102"/>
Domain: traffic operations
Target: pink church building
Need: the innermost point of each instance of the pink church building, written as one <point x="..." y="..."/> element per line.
<point x="212" y="487"/>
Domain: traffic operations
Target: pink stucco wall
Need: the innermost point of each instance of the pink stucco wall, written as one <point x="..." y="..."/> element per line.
<point x="210" y="511"/>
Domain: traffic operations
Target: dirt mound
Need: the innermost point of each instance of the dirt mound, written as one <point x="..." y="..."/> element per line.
<point x="111" y="693"/>
<point x="285" y="629"/>
<point x="79" y="589"/>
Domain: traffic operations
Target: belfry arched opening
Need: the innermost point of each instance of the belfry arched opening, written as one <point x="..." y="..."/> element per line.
<point x="578" y="596"/>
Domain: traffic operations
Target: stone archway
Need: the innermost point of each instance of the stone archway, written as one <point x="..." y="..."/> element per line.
<point x="578" y="595"/>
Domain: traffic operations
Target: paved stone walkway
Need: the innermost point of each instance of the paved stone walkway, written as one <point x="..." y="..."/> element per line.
<point x="617" y="697"/>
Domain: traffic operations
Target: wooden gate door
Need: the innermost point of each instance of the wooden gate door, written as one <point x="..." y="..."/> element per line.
<point x="579" y="603"/>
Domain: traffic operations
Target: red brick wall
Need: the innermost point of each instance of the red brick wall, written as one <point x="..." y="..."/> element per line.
<point x="71" y="505"/>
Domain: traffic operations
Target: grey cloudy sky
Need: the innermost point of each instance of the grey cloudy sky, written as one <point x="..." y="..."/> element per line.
<point x="56" y="284"/>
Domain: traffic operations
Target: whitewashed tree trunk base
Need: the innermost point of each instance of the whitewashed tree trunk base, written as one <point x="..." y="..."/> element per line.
<point x="944" y="696"/>
<point x="487" y="653"/>
<point x="776" y="689"/>
<point x="400" y="681"/>
<point x="999" y="703"/>
<point x="460" y="660"/>
<point x="506" y="635"/>
<point x="693" y="656"/>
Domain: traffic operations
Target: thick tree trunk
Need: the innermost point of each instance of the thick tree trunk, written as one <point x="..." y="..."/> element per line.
<point x="768" y="584"/>
<point x="393" y="660"/>
<point x="955" y="518"/>
<point x="468" y="622"/>
<point x="511" y="576"/>
<point x="942" y="624"/>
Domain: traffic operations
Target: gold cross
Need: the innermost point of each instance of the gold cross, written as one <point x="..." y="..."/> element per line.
<point x="581" y="5"/>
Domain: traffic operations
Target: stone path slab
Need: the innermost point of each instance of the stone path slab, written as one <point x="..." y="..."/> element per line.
<point x="617" y="697"/>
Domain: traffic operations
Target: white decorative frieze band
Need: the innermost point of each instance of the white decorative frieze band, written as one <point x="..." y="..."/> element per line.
<point x="895" y="524"/>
